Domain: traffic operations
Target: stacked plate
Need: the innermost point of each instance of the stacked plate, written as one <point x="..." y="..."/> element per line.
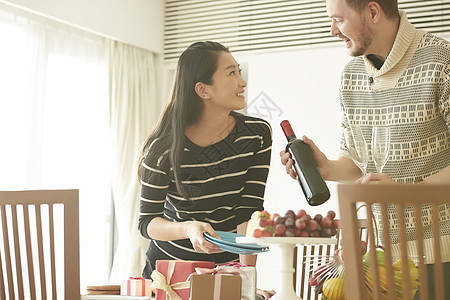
<point x="227" y="242"/>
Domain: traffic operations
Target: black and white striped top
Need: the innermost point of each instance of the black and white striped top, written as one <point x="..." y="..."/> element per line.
<point x="226" y="182"/>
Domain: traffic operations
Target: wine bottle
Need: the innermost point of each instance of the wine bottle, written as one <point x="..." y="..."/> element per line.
<point x="308" y="174"/>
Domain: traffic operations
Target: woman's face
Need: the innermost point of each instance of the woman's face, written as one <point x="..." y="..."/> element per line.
<point x="228" y="86"/>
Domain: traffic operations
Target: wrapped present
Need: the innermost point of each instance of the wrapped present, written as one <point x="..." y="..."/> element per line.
<point x="170" y="279"/>
<point x="136" y="286"/>
<point x="248" y="276"/>
<point x="215" y="287"/>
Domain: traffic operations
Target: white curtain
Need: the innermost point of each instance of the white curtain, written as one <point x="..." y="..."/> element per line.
<point x="54" y="128"/>
<point x="134" y="109"/>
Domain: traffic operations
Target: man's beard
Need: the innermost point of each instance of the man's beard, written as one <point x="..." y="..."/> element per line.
<point x="364" y="40"/>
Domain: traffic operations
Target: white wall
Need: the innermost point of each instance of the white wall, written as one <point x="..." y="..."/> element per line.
<point x="136" y="22"/>
<point x="302" y="87"/>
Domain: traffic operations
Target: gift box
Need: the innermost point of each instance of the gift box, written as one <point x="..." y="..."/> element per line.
<point x="136" y="286"/>
<point x="215" y="287"/>
<point x="248" y="276"/>
<point x="170" y="279"/>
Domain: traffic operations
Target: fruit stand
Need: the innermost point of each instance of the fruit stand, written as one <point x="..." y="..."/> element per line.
<point x="286" y="244"/>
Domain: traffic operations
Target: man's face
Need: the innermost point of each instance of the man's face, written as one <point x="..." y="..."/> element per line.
<point x="350" y="26"/>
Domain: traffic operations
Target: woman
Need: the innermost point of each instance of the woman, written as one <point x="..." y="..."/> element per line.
<point x="204" y="166"/>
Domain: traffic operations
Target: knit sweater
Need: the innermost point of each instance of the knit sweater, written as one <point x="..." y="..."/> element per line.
<point x="226" y="182"/>
<point x="410" y="93"/>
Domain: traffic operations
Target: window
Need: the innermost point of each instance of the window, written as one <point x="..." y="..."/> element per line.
<point x="265" y="25"/>
<point x="54" y="124"/>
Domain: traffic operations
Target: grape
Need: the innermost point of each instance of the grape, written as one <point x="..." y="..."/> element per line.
<point x="263" y="222"/>
<point x="314" y="233"/>
<point x="289" y="232"/>
<point x="318" y="218"/>
<point x="266" y="233"/>
<point x="280" y="229"/>
<point x="304" y="233"/>
<point x="331" y="214"/>
<point x="333" y="231"/>
<point x="301" y="213"/>
<point x="327" y="222"/>
<point x="290" y="213"/>
<point x="300" y="224"/>
<point x="257" y="233"/>
<point x="335" y="223"/>
<point x="319" y="227"/>
<point x="312" y="225"/>
<point x="308" y="217"/>
<point x="289" y="222"/>
<point x="326" y="232"/>
<point x="279" y="220"/>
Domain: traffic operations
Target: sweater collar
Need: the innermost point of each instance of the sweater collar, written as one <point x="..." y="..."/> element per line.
<point x="403" y="40"/>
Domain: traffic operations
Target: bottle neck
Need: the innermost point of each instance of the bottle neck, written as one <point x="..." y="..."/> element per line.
<point x="291" y="137"/>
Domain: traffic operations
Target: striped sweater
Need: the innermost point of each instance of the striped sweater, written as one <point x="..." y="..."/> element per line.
<point x="226" y="182"/>
<point x="410" y="94"/>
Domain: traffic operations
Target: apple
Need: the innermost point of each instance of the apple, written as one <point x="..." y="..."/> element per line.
<point x="380" y="258"/>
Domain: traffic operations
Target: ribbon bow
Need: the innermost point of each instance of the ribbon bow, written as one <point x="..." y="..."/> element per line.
<point x="162" y="283"/>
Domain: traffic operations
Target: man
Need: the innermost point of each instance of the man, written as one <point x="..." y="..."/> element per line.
<point x="399" y="78"/>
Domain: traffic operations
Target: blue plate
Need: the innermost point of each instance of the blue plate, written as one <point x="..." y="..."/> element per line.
<point x="239" y="250"/>
<point x="229" y="239"/>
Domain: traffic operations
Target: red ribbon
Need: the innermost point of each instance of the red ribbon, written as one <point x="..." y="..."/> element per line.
<point x="135" y="278"/>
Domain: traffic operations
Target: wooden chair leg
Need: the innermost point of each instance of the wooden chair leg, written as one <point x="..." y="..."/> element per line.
<point x="295" y="269"/>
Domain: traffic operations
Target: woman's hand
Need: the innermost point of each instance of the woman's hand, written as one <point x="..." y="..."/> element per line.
<point x="375" y="178"/>
<point x="195" y="231"/>
<point x="265" y="294"/>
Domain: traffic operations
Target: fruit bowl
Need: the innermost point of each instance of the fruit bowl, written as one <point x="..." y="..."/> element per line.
<point x="326" y="275"/>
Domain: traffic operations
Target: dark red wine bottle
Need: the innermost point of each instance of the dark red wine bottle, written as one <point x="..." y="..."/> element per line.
<point x="308" y="174"/>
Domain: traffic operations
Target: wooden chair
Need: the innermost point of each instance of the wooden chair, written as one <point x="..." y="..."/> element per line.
<point x="404" y="202"/>
<point x="39" y="230"/>
<point x="309" y="253"/>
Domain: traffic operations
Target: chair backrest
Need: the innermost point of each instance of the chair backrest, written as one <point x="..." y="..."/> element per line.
<point x="312" y="256"/>
<point x="38" y="230"/>
<point x="392" y="209"/>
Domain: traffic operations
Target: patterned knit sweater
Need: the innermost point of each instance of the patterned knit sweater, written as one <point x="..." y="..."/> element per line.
<point x="410" y="94"/>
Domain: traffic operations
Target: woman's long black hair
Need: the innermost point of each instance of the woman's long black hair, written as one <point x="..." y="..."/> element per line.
<point x="197" y="63"/>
